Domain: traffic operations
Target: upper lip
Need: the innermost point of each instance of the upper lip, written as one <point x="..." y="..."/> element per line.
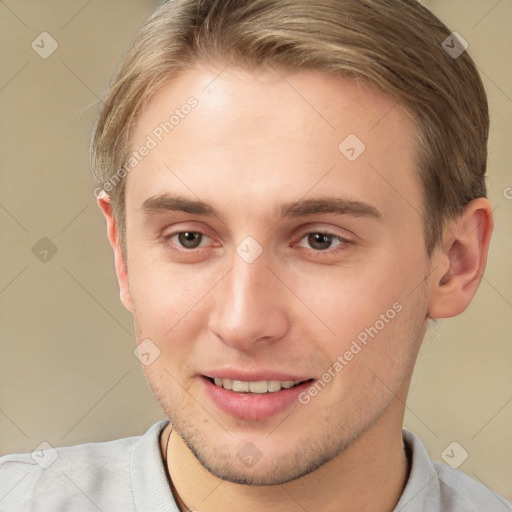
<point x="254" y="376"/>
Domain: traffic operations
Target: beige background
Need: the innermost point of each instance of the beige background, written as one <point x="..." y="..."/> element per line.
<point x="68" y="373"/>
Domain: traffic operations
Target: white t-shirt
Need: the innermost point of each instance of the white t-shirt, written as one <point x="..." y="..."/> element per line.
<point x="129" y="475"/>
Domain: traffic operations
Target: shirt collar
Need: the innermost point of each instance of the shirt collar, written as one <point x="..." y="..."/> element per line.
<point x="151" y="489"/>
<point x="148" y="476"/>
<point x="422" y="491"/>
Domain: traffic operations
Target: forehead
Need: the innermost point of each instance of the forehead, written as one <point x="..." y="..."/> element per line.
<point x="274" y="134"/>
<point x="270" y="99"/>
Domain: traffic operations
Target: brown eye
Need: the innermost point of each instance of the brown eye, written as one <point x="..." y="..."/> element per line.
<point x="190" y="239"/>
<point x="320" y="241"/>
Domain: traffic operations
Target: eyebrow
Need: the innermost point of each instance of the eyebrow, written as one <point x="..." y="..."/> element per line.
<point x="331" y="205"/>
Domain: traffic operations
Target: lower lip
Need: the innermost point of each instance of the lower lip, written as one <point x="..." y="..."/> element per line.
<point x="253" y="407"/>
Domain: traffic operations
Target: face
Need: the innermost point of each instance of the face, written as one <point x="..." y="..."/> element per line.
<point x="268" y="248"/>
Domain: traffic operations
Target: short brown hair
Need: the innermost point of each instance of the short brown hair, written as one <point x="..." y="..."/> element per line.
<point x="395" y="44"/>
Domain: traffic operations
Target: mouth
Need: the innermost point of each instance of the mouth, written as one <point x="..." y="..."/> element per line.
<point x="254" y="400"/>
<point x="259" y="387"/>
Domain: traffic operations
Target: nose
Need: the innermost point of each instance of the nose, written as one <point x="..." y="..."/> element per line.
<point x="250" y="305"/>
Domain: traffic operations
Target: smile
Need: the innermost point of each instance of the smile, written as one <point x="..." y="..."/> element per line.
<point x="253" y="400"/>
<point x="259" y="387"/>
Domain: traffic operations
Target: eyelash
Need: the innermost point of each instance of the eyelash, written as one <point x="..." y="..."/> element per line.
<point x="342" y="245"/>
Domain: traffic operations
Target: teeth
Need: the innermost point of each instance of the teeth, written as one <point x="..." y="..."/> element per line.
<point x="240" y="385"/>
<point x="273" y="386"/>
<point x="259" y="387"/>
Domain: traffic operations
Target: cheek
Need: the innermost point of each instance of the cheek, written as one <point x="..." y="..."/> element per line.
<point x="371" y="367"/>
<point x="167" y="297"/>
<point x="351" y="297"/>
<point x="374" y="310"/>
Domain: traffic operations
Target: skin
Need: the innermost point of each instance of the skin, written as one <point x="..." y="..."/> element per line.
<point x="252" y="144"/>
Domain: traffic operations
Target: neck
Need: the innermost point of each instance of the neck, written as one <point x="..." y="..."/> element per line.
<point x="369" y="475"/>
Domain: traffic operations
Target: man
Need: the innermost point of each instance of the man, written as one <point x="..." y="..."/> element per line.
<point x="290" y="202"/>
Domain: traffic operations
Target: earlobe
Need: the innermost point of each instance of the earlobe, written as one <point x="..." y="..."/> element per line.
<point x="460" y="260"/>
<point x="120" y="264"/>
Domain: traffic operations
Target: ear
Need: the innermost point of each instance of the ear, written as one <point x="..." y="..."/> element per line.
<point x="459" y="262"/>
<point x="120" y="265"/>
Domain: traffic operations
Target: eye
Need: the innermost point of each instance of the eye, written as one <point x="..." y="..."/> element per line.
<point x="187" y="239"/>
<point x="321" y="241"/>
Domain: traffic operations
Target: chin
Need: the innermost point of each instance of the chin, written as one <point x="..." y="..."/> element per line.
<point x="278" y="469"/>
<point x="277" y="463"/>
